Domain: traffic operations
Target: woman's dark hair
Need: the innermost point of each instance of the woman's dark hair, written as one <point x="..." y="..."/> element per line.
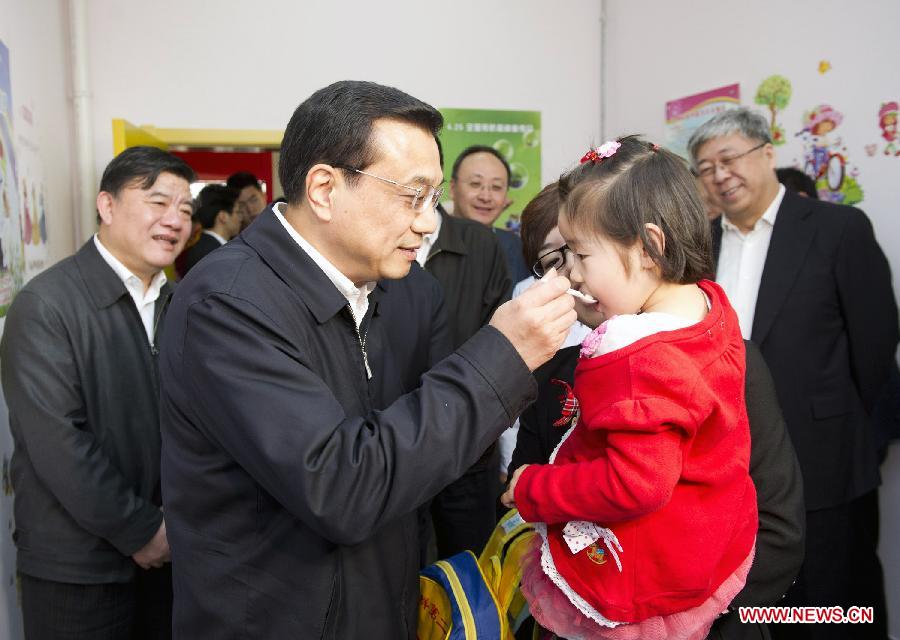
<point x="538" y="219"/>
<point x="213" y="199"/>
<point x="142" y="166"/>
<point x="334" y="126"/>
<point x="640" y="184"/>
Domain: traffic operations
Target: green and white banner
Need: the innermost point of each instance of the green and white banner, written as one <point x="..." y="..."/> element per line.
<point x="515" y="134"/>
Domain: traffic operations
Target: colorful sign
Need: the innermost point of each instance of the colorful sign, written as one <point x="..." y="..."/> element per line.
<point x="12" y="257"/>
<point x="684" y="115"/>
<point x="515" y="134"/>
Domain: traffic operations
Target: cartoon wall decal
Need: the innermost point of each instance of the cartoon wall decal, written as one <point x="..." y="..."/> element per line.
<point x="824" y="67"/>
<point x="825" y="158"/>
<point x="774" y="93"/>
<point x="887" y="120"/>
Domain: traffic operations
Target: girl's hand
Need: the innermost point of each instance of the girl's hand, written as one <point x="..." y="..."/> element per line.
<point x="508" y="499"/>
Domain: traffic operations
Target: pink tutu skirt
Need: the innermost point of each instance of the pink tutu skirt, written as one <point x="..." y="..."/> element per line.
<point x="553" y="610"/>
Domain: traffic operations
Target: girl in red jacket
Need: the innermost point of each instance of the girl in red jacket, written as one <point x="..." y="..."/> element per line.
<point x="647" y="512"/>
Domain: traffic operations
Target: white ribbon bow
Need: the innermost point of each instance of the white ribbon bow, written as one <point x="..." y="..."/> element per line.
<point x="580" y="534"/>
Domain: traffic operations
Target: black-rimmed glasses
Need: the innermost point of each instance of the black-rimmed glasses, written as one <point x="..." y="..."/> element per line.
<point x="424" y="197"/>
<point x="708" y="169"/>
<point x="555" y="259"/>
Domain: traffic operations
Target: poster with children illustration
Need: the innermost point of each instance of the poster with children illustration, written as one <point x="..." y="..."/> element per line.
<point x="825" y="157"/>
<point x="32" y="197"/>
<point x="12" y="260"/>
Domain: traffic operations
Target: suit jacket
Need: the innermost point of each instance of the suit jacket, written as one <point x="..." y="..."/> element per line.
<point x="826" y="323"/>
<point x="196" y="252"/>
<point x="290" y="477"/>
<point x="773" y="468"/>
<point x="80" y="379"/>
<point x="470" y="265"/>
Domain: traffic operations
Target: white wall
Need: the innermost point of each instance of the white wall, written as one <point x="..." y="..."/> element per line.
<point x="659" y="51"/>
<point x="35" y="33"/>
<point x="234" y="64"/>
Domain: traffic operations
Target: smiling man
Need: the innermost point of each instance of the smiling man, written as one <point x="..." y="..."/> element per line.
<point x="301" y="425"/>
<point x="79" y="355"/>
<point x="479" y="187"/>
<point x="812" y="288"/>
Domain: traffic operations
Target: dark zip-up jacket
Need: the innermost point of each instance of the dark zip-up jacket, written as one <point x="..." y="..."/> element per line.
<point x="291" y="479"/>
<point x="80" y="379"/>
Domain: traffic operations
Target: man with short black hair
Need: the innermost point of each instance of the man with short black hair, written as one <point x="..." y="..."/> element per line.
<point x="79" y="354"/>
<point x="251" y="199"/>
<point x="292" y="484"/>
<point x="219" y="214"/>
<point x="812" y="288"/>
<point x="479" y="187"/>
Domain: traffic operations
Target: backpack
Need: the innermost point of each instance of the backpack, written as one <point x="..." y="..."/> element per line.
<point x="462" y="598"/>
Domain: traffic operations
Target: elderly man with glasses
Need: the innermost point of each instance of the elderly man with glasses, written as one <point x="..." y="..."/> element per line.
<point x="813" y="289"/>
<point x="302" y="427"/>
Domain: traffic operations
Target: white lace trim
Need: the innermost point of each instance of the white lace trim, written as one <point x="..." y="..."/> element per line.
<point x="565" y="437"/>
<point x="549" y="569"/>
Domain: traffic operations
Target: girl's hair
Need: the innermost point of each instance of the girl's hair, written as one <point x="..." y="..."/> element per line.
<point x="538" y="219"/>
<point x="642" y="183"/>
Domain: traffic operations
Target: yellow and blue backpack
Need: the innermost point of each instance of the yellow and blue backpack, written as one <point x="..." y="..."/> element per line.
<point x="462" y="598"/>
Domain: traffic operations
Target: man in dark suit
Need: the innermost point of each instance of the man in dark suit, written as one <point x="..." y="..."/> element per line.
<point x="79" y="356"/>
<point x="813" y="289"/>
<point x="301" y="427"/>
<point x="219" y="214"/>
<point x="479" y="187"/>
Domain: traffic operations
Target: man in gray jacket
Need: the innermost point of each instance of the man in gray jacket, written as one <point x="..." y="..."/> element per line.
<point x="79" y="374"/>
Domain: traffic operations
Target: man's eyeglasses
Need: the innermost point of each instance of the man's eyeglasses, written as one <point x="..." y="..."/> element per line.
<point x="555" y="259"/>
<point x="708" y="170"/>
<point x="425" y="197"/>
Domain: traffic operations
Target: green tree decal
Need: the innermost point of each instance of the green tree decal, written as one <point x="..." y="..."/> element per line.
<point x="774" y="92"/>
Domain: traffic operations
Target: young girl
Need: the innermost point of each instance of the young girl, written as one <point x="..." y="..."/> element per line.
<point x="648" y="511"/>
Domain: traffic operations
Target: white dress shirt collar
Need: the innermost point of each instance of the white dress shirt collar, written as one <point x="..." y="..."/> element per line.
<point x="357" y="297"/>
<point x="215" y="235"/>
<point x="145" y="301"/>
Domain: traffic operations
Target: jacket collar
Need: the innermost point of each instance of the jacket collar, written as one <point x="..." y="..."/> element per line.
<point x="791" y="239"/>
<point x="104" y="286"/>
<point x="296" y="268"/>
<point x="451" y="236"/>
<point x="790" y="243"/>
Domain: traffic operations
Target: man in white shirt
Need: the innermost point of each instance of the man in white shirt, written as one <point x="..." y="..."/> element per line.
<point x="219" y="213"/>
<point x="813" y="289"/>
<point x="79" y="356"/>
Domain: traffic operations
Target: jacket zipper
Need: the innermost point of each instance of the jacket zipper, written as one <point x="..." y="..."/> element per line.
<point x="362" y="342"/>
<point x="154" y="350"/>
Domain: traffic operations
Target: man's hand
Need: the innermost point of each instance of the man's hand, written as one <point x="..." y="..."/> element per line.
<point x="509" y="498"/>
<point x="156" y="552"/>
<point x="537" y="322"/>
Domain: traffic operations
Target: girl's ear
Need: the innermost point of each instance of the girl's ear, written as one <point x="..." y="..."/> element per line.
<point x="658" y="238"/>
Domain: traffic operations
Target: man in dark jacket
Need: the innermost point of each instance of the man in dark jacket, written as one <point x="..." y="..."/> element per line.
<point x="812" y="287"/>
<point x="219" y="214"/>
<point x="299" y="432"/>
<point x="469" y="263"/>
<point x="80" y="378"/>
<point x="479" y="186"/>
